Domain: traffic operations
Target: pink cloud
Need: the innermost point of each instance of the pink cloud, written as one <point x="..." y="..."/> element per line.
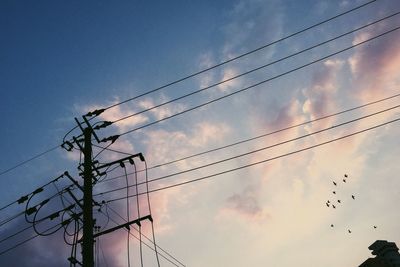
<point x="375" y="66"/>
<point x="245" y="205"/>
<point x="163" y="111"/>
<point x="319" y="97"/>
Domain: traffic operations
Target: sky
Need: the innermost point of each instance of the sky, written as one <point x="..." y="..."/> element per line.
<point x="262" y="202"/>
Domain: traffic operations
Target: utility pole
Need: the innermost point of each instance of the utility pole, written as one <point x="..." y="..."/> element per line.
<point x="80" y="214"/>
<point x="88" y="242"/>
<point x="90" y="170"/>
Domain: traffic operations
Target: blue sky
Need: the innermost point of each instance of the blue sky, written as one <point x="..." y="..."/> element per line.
<point x="59" y="60"/>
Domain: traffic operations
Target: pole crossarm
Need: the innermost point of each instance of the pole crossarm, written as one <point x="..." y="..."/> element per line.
<point x="140" y="155"/>
<point x="126" y="225"/>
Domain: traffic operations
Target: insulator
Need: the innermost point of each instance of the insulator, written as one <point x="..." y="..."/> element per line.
<point x="111" y="138"/>
<point x="103" y="125"/>
<point x="54" y="215"/>
<point x="141" y="157"/>
<point x="44" y="202"/>
<point x="67" y="145"/>
<point x="38" y="190"/>
<point x="30" y="211"/>
<point x="22" y="199"/>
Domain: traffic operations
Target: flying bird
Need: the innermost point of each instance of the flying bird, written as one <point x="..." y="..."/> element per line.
<point x="334" y="192"/>
<point x="328" y="201"/>
<point x="344" y="180"/>
<point x="334" y="183"/>
<point x="339" y="201"/>
<point x="353" y="197"/>
<point x="375" y="226"/>
<point x="327" y="204"/>
<point x="334" y="206"/>
<point x="345" y="176"/>
<point x="349" y="231"/>
<point x="332" y="225"/>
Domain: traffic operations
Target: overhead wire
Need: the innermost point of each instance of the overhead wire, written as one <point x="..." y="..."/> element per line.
<point x="138" y="211"/>
<point x="46" y="184"/>
<point x="256" y="69"/>
<point x="27" y="240"/>
<point x="261" y="82"/>
<point x="259" y="149"/>
<point x="15" y="234"/>
<point x="127" y="213"/>
<point x="24" y="212"/>
<point x="102" y="253"/>
<point x="147" y="245"/>
<point x="149" y="205"/>
<point x="29" y="160"/>
<point x="200" y="72"/>
<point x="1" y="173"/>
<point x="262" y="161"/>
<point x="24" y="229"/>
<point x="147" y="238"/>
<point x="18" y="244"/>
<point x="251" y="138"/>
<point x="58" y="193"/>
<point x="243" y="54"/>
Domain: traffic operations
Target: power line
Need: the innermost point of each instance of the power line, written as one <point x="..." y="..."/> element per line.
<point x="18" y="244"/>
<point x="249" y="139"/>
<point x="13" y="217"/>
<point x="115" y="212"/>
<point x="28" y="160"/>
<point x="147" y="245"/>
<point x="262" y="161"/>
<point x="242" y="55"/>
<point x="259" y="83"/>
<point x="256" y="69"/>
<point x="259" y="149"/>
<point x="15" y="234"/>
<point x="200" y="72"/>
<point x="46" y="184"/>
<point x="29" y="239"/>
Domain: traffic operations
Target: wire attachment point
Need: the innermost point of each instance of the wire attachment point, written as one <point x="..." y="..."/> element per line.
<point x="96" y="112"/>
<point x="103" y="125"/>
<point x="111" y="138"/>
<point x="22" y="199"/>
<point x="67" y="145"/>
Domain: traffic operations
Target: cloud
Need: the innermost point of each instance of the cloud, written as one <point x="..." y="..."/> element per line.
<point x="243" y="30"/>
<point x="161" y="112"/>
<point x="375" y="66"/>
<point x="232" y="84"/>
<point x="245" y="205"/>
<point x="164" y="146"/>
<point x="321" y="93"/>
<point x="205" y="61"/>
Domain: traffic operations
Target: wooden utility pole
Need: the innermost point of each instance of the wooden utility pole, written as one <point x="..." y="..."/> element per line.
<point x="88" y="241"/>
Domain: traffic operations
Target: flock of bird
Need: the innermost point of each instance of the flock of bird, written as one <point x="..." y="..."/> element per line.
<point x="330" y="203"/>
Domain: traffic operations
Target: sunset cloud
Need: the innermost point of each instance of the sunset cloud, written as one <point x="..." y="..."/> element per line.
<point x="375" y="66"/>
